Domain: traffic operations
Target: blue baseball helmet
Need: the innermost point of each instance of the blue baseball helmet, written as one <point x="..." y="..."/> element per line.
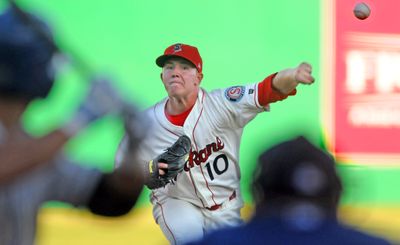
<point x="26" y="69"/>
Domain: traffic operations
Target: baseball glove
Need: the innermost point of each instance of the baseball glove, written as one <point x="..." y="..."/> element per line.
<point x="175" y="156"/>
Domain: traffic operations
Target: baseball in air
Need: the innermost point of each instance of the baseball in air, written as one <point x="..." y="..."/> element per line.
<point x="361" y="11"/>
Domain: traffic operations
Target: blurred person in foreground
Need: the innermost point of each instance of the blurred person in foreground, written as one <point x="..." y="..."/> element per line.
<point x="297" y="191"/>
<point x="33" y="170"/>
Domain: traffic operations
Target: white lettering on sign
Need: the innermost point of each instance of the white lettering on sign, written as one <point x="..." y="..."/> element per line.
<point x="372" y="81"/>
<point x="380" y="68"/>
<point x="374" y="115"/>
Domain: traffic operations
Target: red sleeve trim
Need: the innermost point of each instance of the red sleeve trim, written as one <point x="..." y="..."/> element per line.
<point x="268" y="94"/>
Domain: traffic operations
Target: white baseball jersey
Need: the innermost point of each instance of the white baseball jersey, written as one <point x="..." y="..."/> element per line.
<point x="214" y="125"/>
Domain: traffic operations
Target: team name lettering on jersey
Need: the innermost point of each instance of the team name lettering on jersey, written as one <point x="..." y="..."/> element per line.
<point x="199" y="157"/>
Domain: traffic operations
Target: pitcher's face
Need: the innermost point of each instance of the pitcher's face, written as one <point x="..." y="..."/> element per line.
<point x="180" y="77"/>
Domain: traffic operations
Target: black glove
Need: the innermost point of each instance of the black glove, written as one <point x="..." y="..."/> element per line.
<point x="175" y="156"/>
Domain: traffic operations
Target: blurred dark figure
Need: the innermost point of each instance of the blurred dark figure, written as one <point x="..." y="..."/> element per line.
<point x="296" y="190"/>
<point x="33" y="170"/>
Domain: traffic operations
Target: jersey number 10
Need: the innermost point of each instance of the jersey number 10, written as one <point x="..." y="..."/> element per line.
<point x="217" y="168"/>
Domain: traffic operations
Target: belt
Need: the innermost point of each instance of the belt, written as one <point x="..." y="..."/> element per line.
<point x="217" y="206"/>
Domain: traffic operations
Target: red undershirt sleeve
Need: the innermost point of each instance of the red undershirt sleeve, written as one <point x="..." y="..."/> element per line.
<point x="268" y="94"/>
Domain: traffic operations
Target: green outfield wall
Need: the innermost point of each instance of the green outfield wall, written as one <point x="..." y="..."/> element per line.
<point x="240" y="41"/>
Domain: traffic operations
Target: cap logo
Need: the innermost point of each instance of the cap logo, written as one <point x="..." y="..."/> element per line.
<point x="308" y="179"/>
<point x="177" y="48"/>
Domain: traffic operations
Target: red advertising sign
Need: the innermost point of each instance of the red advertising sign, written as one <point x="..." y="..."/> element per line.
<point x="362" y="81"/>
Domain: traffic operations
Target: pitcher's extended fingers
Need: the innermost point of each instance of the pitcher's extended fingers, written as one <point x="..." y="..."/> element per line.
<point x="303" y="73"/>
<point x="161" y="168"/>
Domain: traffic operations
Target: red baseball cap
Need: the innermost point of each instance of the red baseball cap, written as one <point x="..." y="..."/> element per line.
<point x="185" y="51"/>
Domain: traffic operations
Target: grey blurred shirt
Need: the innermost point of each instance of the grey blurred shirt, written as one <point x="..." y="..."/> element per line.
<point x="21" y="199"/>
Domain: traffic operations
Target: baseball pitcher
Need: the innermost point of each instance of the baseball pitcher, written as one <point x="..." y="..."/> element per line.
<point x="203" y="191"/>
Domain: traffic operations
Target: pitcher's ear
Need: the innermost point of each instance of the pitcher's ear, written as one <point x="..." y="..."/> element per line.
<point x="200" y="77"/>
